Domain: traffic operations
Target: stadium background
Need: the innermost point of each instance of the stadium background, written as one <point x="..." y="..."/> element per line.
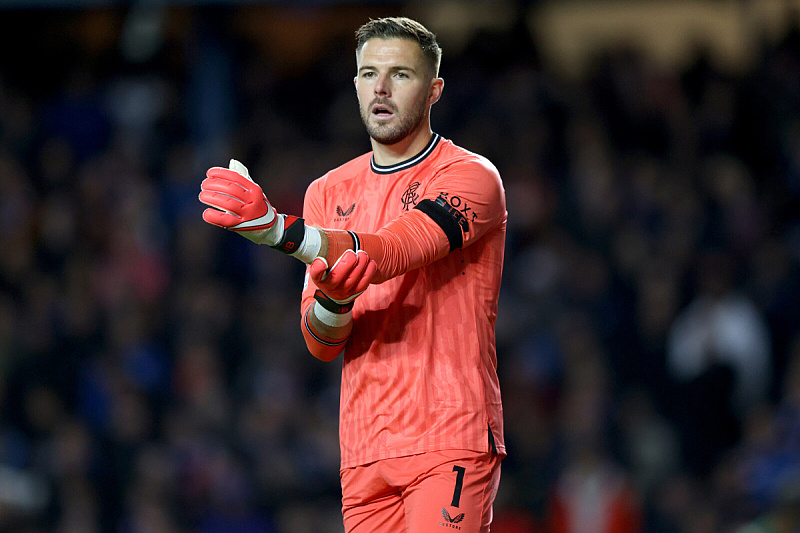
<point x="152" y="374"/>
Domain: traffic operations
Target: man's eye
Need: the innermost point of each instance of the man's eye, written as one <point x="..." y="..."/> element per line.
<point x="402" y="75"/>
<point x="368" y="74"/>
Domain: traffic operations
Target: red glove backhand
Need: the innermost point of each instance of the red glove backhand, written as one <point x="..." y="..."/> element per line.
<point x="238" y="203"/>
<point x="350" y="276"/>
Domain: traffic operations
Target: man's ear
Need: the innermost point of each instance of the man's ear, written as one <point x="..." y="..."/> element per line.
<point x="437" y="86"/>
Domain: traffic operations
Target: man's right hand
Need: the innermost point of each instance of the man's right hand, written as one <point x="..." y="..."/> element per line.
<point x="339" y="286"/>
<point x="238" y="203"/>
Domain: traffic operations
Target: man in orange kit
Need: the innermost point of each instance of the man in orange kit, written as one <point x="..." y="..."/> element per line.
<point x="404" y="247"/>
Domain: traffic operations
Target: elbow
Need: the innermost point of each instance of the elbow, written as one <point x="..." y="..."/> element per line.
<point x="319" y="346"/>
<point x="324" y="353"/>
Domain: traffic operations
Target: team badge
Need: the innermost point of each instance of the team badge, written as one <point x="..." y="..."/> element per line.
<point x="410" y="196"/>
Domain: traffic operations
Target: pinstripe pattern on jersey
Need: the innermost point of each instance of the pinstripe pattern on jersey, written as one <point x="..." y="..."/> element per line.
<point x="419" y="370"/>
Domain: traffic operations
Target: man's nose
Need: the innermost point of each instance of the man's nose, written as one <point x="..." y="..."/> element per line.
<point x="383" y="86"/>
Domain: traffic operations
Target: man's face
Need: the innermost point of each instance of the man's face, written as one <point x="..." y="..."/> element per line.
<point x="395" y="88"/>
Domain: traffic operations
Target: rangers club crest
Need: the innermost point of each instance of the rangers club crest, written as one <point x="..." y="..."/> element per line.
<point x="410" y="196"/>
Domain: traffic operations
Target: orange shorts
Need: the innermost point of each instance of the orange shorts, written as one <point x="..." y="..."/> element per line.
<point x="451" y="490"/>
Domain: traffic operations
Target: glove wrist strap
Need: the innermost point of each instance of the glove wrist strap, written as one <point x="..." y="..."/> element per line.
<point x="294" y="230"/>
<point x="332" y="305"/>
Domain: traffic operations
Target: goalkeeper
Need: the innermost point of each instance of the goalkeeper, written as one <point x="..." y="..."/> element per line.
<point x="404" y="247"/>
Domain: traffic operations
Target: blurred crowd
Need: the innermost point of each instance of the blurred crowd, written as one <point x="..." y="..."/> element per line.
<point x="153" y="377"/>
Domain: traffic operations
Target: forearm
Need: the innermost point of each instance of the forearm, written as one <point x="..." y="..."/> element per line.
<point x="409" y="242"/>
<point x="328" y="310"/>
<point x="238" y="203"/>
<point x="324" y="341"/>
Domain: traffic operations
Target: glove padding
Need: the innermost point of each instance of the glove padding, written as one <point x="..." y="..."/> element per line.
<point x="238" y="203"/>
<point x="339" y="286"/>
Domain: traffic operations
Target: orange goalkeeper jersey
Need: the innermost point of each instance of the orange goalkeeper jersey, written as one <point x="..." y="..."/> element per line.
<point x="420" y="368"/>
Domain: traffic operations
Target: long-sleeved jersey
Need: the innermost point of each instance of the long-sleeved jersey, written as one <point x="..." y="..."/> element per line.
<point x="420" y="367"/>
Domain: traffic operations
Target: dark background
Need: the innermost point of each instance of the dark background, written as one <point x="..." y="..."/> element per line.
<point x="152" y="373"/>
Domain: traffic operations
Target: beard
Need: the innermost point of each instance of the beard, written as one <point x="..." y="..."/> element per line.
<point x="399" y="129"/>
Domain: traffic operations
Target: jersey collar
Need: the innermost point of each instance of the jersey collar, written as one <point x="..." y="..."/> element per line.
<point x="380" y="169"/>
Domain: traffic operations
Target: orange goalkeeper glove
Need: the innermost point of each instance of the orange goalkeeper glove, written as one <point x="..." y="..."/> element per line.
<point x="339" y="286"/>
<point x="238" y="203"/>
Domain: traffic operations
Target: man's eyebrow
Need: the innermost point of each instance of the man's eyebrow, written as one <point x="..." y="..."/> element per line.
<point x="393" y="68"/>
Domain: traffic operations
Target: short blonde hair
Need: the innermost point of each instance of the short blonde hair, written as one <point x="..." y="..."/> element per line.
<point x="403" y="28"/>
